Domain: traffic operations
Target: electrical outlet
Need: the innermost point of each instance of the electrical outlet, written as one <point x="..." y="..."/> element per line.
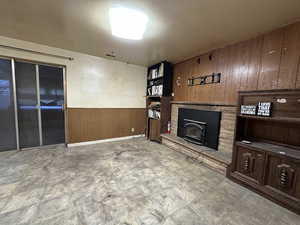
<point x="132" y="129"/>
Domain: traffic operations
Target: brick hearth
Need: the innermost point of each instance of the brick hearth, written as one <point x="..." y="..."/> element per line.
<point x="217" y="159"/>
<point x="227" y="122"/>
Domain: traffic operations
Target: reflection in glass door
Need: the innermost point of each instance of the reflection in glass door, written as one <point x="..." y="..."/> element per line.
<point x="28" y="107"/>
<point x="8" y="139"/>
<point x="52" y="104"/>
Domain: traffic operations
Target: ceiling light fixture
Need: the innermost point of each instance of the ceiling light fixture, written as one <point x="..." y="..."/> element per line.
<point x="127" y="23"/>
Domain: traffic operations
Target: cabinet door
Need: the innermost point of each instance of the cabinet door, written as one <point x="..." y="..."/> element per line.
<point x="154" y="134"/>
<point x="283" y="175"/>
<point x="271" y="54"/>
<point x="290" y="57"/>
<point x="250" y="163"/>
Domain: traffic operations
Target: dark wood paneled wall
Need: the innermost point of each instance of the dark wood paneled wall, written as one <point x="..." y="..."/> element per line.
<point x="270" y="61"/>
<point x="90" y="124"/>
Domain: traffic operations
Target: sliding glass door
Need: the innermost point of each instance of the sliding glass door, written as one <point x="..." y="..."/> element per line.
<point x="8" y="139"/>
<point x="52" y="104"/>
<point x="31" y="105"/>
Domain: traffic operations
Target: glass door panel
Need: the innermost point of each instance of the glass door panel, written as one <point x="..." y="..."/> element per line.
<point x="51" y="81"/>
<point x="28" y="107"/>
<point x="7" y="112"/>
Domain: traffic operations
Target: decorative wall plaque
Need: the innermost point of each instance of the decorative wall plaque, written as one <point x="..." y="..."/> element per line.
<point x="264" y="108"/>
<point x="208" y="79"/>
<point x="248" y="109"/>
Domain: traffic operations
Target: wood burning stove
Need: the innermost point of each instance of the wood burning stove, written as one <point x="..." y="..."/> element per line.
<point x="200" y="127"/>
<point x="195" y="131"/>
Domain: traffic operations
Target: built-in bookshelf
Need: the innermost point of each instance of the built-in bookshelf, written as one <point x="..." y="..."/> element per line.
<point x="159" y="79"/>
<point x="159" y="91"/>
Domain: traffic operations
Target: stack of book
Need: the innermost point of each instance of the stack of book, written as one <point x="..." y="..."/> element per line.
<point x="154" y="110"/>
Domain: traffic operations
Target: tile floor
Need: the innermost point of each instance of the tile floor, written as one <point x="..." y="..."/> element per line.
<point x="124" y="183"/>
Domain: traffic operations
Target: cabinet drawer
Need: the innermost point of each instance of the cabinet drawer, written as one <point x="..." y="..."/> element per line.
<point x="250" y="163"/>
<point x="283" y="175"/>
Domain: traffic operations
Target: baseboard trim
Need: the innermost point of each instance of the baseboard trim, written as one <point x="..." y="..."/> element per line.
<point x="105" y="140"/>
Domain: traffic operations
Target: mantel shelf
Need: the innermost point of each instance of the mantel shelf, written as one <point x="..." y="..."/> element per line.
<point x="200" y="103"/>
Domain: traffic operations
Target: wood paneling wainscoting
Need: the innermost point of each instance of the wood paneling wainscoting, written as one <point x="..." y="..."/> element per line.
<point x="267" y="62"/>
<point x="90" y="124"/>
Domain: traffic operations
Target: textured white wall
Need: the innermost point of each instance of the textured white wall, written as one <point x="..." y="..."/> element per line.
<point x="92" y="82"/>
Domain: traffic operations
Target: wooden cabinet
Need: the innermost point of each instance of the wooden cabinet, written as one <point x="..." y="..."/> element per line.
<point x="158" y="126"/>
<point x="250" y="163"/>
<point x="282" y="174"/>
<point x="266" y="153"/>
<point x="271" y="53"/>
<point x="154" y="131"/>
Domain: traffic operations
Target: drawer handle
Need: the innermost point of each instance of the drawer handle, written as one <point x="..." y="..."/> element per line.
<point x="285" y="175"/>
<point x="246" y="162"/>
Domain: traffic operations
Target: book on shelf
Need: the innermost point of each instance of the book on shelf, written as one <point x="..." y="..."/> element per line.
<point x="154" y="114"/>
<point x="154" y="110"/>
<point x="154" y="105"/>
<point x="149" y="90"/>
<point x="156" y="72"/>
<point x="157" y="90"/>
<point x="153" y="74"/>
<point x="161" y="70"/>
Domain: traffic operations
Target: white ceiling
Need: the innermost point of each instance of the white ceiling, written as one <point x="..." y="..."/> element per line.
<point x="177" y="29"/>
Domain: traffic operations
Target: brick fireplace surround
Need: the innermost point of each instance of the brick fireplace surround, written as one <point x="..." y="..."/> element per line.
<point x="218" y="160"/>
